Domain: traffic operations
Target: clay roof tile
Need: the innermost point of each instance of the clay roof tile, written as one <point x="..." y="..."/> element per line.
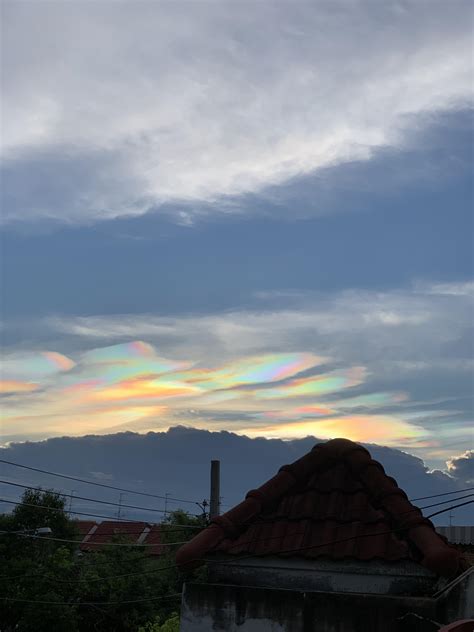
<point x="334" y="502"/>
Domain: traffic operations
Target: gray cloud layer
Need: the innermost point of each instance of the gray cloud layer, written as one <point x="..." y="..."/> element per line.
<point x="177" y="462"/>
<point x="116" y="109"/>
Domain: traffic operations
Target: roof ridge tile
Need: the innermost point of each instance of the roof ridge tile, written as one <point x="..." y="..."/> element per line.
<point x="383" y="496"/>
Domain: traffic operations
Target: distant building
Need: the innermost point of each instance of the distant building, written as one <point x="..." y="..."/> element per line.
<point x="94" y="536"/>
<point x="458" y="534"/>
<point x="329" y="543"/>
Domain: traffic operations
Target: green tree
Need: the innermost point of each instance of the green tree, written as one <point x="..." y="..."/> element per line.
<point x="170" y="625"/>
<point x="42" y="508"/>
<point x="27" y="563"/>
<point x="51" y="584"/>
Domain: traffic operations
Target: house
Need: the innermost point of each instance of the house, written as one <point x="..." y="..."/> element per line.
<point x="458" y="534"/>
<point x="462" y="537"/>
<point x="93" y="536"/>
<point x="329" y="544"/>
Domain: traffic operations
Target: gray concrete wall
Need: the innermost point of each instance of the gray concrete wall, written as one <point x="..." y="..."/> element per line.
<point x="457" y="599"/>
<point x="376" y="577"/>
<point x="227" y="608"/>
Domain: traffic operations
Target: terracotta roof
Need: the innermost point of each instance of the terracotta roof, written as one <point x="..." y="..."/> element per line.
<point x="108" y="530"/>
<point x="84" y="526"/>
<point x="335" y="502"/>
<point x="466" y="625"/>
<point x="153" y="537"/>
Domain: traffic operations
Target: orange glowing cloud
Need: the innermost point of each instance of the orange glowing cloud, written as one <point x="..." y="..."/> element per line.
<point x="384" y="429"/>
<point x="59" y="361"/>
<point x="144" y="388"/>
<point x="17" y="386"/>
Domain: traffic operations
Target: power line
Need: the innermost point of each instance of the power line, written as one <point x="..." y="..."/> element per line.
<point x="443" y="502"/>
<point x="458" y="491"/>
<point x="93" y="500"/>
<point x="232" y="561"/>
<point x="171" y="530"/>
<point x="82" y="480"/>
<point x="314" y="546"/>
<point x="166" y="497"/>
<point x="436" y="513"/>
<point x="91" y="543"/>
<point x="81" y="513"/>
<point x="114" y="518"/>
<point x="91" y="603"/>
<point x="166" y="544"/>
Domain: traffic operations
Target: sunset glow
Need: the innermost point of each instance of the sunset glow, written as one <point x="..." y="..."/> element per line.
<point x="129" y="386"/>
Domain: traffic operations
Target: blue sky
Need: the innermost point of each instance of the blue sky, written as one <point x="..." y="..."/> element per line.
<point x="226" y="188"/>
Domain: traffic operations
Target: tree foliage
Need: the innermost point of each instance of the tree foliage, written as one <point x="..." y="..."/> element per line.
<point x="51" y="586"/>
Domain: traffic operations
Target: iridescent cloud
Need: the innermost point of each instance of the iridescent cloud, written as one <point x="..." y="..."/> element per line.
<point x="385" y="429"/>
<point x="35" y="365"/>
<point x="315" y="385"/>
<point x="119" y="353"/>
<point x="143" y="388"/>
<point x="253" y="370"/>
<point x="130" y="385"/>
<point x="17" y="386"/>
<point x="125" y="361"/>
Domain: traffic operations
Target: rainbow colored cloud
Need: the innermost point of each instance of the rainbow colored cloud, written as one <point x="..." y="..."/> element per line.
<point x="130" y="385"/>
<point x="317" y="385"/>
<point x="253" y="370"/>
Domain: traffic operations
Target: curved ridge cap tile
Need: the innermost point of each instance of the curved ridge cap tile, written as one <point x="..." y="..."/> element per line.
<point x="341" y="447"/>
<point x="464" y="625"/>
<point x="230" y="529"/>
<point x="442" y="559"/>
<point x="190" y="555"/>
<point x="443" y="562"/>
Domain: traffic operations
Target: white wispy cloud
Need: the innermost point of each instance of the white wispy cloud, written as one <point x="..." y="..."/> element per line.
<point x="403" y="328"/>
<point x="123" y="107"/>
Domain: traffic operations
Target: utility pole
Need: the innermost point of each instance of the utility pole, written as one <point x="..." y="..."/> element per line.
<point x="119" y="510"/>
<point x="202" y="506"/>
<point x="214" y="509"/>
<point x="166" y="503"/>
<point x="73" y="491"/>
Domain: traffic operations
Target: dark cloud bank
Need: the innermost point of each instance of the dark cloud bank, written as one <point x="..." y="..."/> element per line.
<point x="177" y="462"/>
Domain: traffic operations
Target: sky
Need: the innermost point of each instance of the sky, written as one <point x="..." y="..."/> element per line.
<point x="251" y="217"/>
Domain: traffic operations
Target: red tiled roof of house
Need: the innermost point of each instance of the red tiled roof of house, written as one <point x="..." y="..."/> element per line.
<point x="108" y="530"/>
<point x="153" y="537"/>
<point x="84" y="526"/>
<point x="466" y="625"/>
<point x="334" y="502"/>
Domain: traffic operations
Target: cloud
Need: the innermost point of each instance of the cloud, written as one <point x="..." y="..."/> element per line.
<point x="34" y="365"/>
<point x="114" y="111"/>
<point x="177" y="462"/>
<point x="395" y="366"/>
<point x="462" y="467"/>
<point x="399" y="330"/>
<point x="17" y="386"/>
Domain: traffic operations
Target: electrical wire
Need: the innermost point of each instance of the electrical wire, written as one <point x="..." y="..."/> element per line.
<point x="92" y="603"/>
<point x="90" y="543"/>
<point x="458" y="491"/>
<point x="82" y="480"/>
<point x="105" y="502"/>
<point x="126" y="533"/>
<point x="233" y="561"/>
<point x="80" y="513"/>
<point x="182" y="526"/>
<point x="93" y="500"/>
<point x="169" y="498"/>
